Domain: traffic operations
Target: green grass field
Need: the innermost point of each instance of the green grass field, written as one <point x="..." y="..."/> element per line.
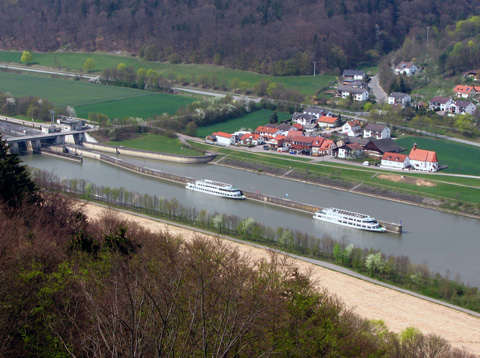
<point x="144" y="107"/>
<point x="116" y="102"/>
<point x="157" y="143"/>
<point x="251" y="120"/>
<point x="460" y="158"/>
<point x="307" y="85"/>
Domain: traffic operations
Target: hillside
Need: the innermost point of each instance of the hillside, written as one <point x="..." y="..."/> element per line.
<point x="274" y="37"/>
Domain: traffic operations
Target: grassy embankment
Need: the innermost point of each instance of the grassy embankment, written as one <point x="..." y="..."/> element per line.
<point x="157" y="143"/>
<point x="445" y="187"/>
<point x="307" y="85"/>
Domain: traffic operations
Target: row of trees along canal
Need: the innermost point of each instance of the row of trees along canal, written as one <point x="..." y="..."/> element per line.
<point x="397" y="270"/>
<point x="75" y="287"/>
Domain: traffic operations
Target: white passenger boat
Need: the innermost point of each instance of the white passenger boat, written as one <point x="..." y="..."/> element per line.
<point x="349" y="219"/>
<point x="216" y="188"/>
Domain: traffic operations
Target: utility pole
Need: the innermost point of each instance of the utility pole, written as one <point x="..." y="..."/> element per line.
<point x="314" y="63"/>
<point x="428" y="28"/>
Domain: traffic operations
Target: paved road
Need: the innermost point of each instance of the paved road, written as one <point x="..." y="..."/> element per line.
<point x="380" y="95"/>
<point x="378" y="91"/>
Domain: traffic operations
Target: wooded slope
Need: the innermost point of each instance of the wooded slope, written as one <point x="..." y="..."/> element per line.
<point x="268" y="36"/>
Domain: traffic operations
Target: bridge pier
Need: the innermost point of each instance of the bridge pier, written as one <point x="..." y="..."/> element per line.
<point x="14" y="148"/>
<point x="34" y="145"/>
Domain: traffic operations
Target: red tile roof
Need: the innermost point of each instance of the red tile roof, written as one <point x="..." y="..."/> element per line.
<point x="463" y="89"/>
<point x="423" y="155"/>
<point x="298" y="126"/>
<point x="394" y="157"/>
<point x="223" y="134"/>
<point x="325" y="119"/>
<point x="268" y="130"/>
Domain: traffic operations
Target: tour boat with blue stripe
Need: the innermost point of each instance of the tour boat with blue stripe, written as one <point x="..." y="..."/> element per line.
<point x="216" y="188"/>
<point x="349" y="218"/>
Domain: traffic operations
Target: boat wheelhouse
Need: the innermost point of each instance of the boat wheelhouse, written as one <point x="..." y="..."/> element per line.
<point x="216" y="188"/>
<point x="349" y="219"/>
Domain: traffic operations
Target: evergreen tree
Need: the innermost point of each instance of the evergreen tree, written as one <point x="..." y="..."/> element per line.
<point x="15" y="183"/>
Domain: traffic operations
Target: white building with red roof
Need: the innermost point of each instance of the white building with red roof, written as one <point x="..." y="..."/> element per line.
<point x="267" y="131"/>
<point x="424" y="160"/>
<point x="464" y="91"/>
<point x="352" y="128"/>
<point x="395" y="160"/>
<point x="326" y="121"/>
<point x="406" y="68"/>
<point x="222" y="138"/>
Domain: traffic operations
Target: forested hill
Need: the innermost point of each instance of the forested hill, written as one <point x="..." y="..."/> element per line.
<point x="281" y="37"/>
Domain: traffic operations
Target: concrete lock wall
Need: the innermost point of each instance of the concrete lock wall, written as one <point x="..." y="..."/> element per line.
<point x="150" y="155"/>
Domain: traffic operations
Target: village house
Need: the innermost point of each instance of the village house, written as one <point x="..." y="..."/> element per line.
<point x="358" y="94"/>
<point x="221" y="138"/>
<point x="464" y="91"/>
<point x="353" y="75"/>
<point x="328" y="122"/>
<point x="406" y="68"/>
<point x="276" y="142"/>
<point x="424" y="160"/>
<point x="304" y="118"/>
<point x="399" y="99"/>
<point x="251" y="139"/>
<point x="439" y="103"/>
<point x="282" y="127"/>
<point x="352" y="129"/>
<point x="462" y="107"/>
<point x="395" y="161"/>
<point x="377" y="131"/>
<point x="317" y="111"/>
<point x="327" y="147"/>
<point x="376" y="148"/>
<point x="350" y="150"/>
<point x="267" y="131"/>
<point x="354" y="83"/>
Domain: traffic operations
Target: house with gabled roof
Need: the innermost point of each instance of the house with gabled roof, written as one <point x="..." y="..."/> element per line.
<point x="327" y="147"/>
<point x="406" y="68"/>
<point x="378" y="147"/>
<point x="439" y="103"/>
<point x="354" y="83"/>
<point x="352" y="128"/>
<point x="222" y="138"/>
<point x="464" y="91"/>
<point x="395" y="160"/>
<point x="317" y="111"/>
<point x="251" y="139"/>
<point x="358" y="94"/>
<point x="353" y="74"/>
<point x="378" y="131"/>
<point x="327" y="121"/>
<point x="462" y="107"/>
<point x="424" y="160"/>
<point x="399" y="99"/>
<point x="269" y="131"/>
<point x="350" y="150"/>
<point x="282" y="127"/>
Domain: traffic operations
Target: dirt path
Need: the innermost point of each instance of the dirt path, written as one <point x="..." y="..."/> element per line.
<point x="397" y="310"/>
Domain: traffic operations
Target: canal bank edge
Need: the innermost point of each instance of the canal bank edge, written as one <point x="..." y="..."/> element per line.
<point x="220" y="162"/>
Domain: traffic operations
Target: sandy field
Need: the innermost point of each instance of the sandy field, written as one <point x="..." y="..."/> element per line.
<point x="404" y="179"/>
<point x="397" y="310"/>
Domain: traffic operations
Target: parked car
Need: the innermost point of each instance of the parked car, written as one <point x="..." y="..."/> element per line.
<point x="265" y="147"/>
<point x="366" y="163"/>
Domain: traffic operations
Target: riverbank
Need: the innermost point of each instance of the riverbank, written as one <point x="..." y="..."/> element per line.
<point x="338" y="184"/>
<point x="398" y="310"/>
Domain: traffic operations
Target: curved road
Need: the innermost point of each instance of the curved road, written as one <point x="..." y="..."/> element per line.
<point x="377" y="90"/>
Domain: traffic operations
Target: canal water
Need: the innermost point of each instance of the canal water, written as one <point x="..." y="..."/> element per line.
<point x="443" y="242"/>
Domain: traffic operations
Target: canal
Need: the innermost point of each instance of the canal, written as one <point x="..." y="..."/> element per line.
<point x="443" y="242"/>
